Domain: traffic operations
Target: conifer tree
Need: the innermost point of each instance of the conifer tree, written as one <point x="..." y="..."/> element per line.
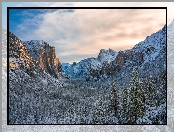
<point x="162" y="88"/>
<point x="125" y="106"/>
<point x="98" y="115"/>
<point x="137" y="105"/>
<point x="150" y="91"/>
<point x="114" y="98"/>
<point x="161" y="99"/>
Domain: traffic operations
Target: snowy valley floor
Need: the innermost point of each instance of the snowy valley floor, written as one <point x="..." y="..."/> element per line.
<point x="34" y="101"/>
<point x="42" y="99"/>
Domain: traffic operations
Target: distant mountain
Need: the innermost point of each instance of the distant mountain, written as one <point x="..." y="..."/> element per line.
<point x="148" y="56"/>
<point x="76" y="70"/>
<point x="65" y="66"/>
<point x="79" y="70"/>
<point x="106" y="56"/>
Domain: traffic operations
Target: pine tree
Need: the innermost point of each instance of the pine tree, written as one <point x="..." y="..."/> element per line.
<point x="137" y="105"/>
<point x="162" y="88"/>
<point x="161" y="99"/>
<point x="149" y="86"/>
<point x="98" y="112"/>
<point x="125" y="105"/>
<point x="114" y="98"/>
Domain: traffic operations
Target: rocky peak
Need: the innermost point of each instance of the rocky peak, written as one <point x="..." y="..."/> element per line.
<point x="31" y="54"/>
<point x="106" y="56"/>
<point x="45" y="55"/>
<point x="120" y="59"/>
<point x="128" y="54"/>
<point x="146" y="55"/>
<point x="19" y="55"/>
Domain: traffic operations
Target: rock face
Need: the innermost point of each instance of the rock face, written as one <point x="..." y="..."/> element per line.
<point x="128" y="54"/>
<point x="48" y="60"/>
<point x="90" y="66"/>
<point x="106" y="56"/>
<point x="120" y="59"/>
<point x="19" y="56"/>
<point x="31" y="54"/>
<point x="45" y="55"/>
<point x="149" y="56"/>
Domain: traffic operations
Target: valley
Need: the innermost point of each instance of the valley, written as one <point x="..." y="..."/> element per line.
<point x="117" y="87"/>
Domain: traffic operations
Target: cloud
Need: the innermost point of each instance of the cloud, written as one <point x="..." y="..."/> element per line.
<point x="83" y="32"/>
<point x="169" y="6"/>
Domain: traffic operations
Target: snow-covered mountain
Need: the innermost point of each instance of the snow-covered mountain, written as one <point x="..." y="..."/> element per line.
<point x="79" y="70"/>
<point x="45" y="55"/>
<point x="19" y="56"/>
<point x="34" y="47"/>
<point x="148" y="56"/>
<point x="106" y="56"/>
<point x="65" y="66"/>
<point x="34" y="55"/>
<point x="76" y="70"/>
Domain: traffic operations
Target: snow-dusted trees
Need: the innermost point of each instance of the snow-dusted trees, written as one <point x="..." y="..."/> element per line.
<point x="98" y="111"/>
<point x="125" y="106"/>
<point x="114" y="98"/>
<point x="155" y="99"/>
<point x="137" y="97"/>
<point x="134" y="100"/>
<point x="81" y="102"/>
<point x="162" y="92"/>
<point x="88" y="72"/>
<point x="161" y="99"/>
<point x="150" y="90"/>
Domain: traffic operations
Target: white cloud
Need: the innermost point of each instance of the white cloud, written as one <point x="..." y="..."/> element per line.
<point x="85" y="32"/>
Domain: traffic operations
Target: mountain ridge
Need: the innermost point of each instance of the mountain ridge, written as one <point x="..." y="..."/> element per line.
<point x="146" y="55"/>
<point x="34" y="53"/>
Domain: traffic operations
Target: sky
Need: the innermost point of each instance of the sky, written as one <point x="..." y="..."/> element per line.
<point x="80" y="33"/>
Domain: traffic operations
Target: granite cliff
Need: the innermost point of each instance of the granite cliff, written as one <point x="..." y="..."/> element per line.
<point x="45" y="55"/>
<point x="32" y="54"/>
